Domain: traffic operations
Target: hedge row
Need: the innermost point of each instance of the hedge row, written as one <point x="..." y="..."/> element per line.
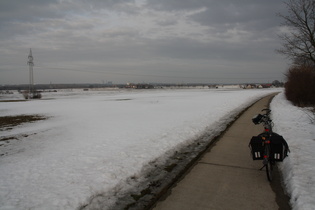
<point x="300" y="86"/>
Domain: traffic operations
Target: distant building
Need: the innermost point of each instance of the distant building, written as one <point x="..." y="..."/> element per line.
<point x="139" y="86"/>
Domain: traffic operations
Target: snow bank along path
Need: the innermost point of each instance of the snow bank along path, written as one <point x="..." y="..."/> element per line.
<point x="297" y="126"/>
<point x="93" y="141"/>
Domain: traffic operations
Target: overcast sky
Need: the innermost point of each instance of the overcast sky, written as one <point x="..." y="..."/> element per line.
<point x="170" y="41"/>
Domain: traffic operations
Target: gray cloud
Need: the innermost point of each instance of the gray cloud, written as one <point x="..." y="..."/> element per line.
<point x="227" y="13"/>
<point x="22" y="11"/>
<point x="138" y="40"/>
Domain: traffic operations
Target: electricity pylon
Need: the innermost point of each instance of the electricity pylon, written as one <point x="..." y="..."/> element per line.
<point x="31" y="64"/>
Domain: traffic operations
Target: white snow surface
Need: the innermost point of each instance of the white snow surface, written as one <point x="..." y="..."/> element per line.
<point x="297" y="126"/>
<point x="93" y="141"/>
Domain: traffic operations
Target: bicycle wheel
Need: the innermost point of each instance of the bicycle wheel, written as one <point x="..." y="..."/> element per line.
<point x="269" y="170"/>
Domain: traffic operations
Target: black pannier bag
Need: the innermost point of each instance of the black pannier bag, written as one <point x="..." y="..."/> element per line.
<point x="256" y="148"/>
<point x="279" y="147"/>
<point x="257" y="119"/>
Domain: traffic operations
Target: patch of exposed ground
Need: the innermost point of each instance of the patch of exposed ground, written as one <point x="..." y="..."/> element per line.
<point x="14" y="100"/>
<point x="8" y="123"/>
<point x="11" y="121"/>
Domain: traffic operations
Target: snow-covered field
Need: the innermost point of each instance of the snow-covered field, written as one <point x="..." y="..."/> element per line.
<point x="93" y="141"/>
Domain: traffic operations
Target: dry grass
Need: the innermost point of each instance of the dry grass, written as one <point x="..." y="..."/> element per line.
<point x="8" y="122"/>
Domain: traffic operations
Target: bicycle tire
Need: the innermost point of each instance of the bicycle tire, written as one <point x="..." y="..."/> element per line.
<point x="269" y="170"/>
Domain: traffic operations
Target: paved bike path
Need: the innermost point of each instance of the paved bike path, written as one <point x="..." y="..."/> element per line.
<point x="226" y="177"/>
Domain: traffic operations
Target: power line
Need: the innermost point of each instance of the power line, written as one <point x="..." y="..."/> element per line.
<point x="166" y="76"/>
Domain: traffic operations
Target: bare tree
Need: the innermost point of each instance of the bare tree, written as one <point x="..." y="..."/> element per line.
<point x="298" y="43"/>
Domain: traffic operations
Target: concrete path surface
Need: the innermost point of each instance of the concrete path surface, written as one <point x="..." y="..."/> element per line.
<point x="226" y="177"/>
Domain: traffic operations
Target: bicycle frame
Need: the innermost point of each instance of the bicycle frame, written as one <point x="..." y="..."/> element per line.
<point x="267" y="123"/>
<point x="267" y="161"/>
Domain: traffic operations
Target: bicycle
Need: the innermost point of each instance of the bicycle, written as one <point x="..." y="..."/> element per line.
<point x="268" y="146"/>
<point x="265" y="136"/>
